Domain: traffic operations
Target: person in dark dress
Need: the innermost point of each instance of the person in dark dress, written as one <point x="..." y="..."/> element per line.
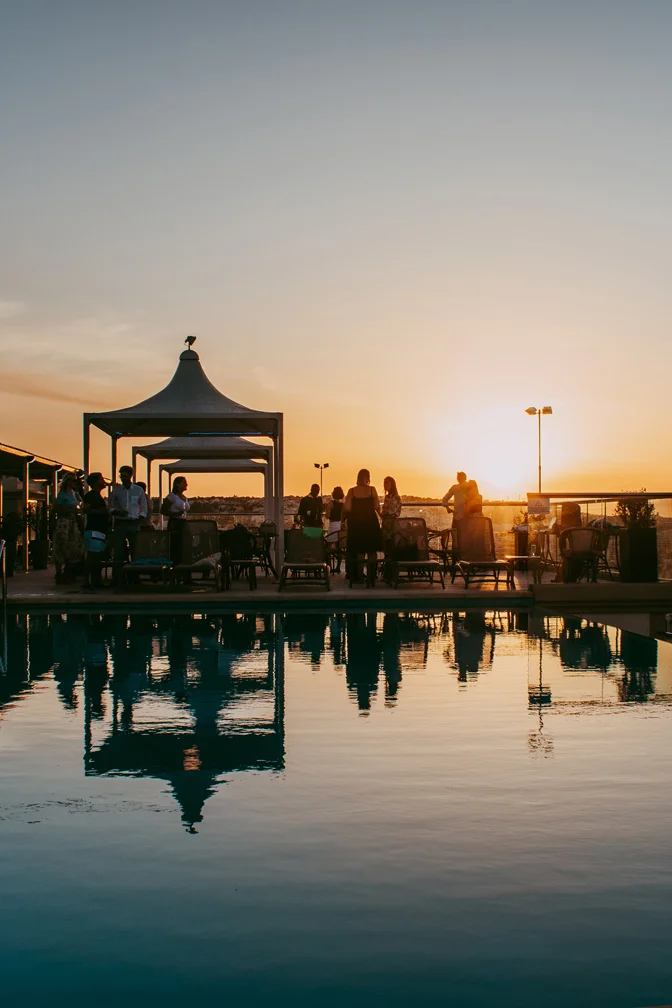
<point x="97" y="517"/>
<point x="361" y="511"/>
<point x="311" y="508"/>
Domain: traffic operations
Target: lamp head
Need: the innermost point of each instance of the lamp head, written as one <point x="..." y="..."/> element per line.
<point x="546" y="409"/>
<point x="326" y="465"/>
<point x="532" y="410"/>
<point x="316" y="464"/>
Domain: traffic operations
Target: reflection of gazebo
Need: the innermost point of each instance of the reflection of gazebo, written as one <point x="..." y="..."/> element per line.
<point x="187" y="466"/>
<point x="225" y="710"/>
<point x="190" y="406"/>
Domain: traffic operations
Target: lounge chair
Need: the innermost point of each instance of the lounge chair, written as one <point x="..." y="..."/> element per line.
<point x="475" y="546"/>
<point x="408" y="554"/>
<point x="238" y="551"/>
<point x="200" y="554"/>
<point x="581" y="549"/>
<point x="151" y="558"/>
<point x="305" y="558"/>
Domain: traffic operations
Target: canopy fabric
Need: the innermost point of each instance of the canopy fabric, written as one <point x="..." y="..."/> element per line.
<point x="189" y="405"/>
<point x="214" y="466"/>
<point x="203" y="448"/>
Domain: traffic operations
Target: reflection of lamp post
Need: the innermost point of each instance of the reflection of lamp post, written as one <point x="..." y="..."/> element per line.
<point x="317" y="465"/>
<point x="533" y="411"/>
<point x="539" y="696"/>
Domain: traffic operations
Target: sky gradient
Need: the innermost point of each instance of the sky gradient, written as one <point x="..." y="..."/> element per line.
<point x="399" y="223"/>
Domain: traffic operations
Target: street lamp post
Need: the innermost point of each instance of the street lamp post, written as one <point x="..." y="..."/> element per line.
<point x="534" y="411"/>
<point x="325" y="465"/>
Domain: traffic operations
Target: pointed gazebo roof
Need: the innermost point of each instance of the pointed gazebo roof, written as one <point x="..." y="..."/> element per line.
<point x="189" y="405"/>
<point x="203" y="448"/>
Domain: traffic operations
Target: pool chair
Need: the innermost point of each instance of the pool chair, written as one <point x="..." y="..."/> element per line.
<point x="305" y="558"/>
<point x="581" y="549"/>
<point x="238" y="546"/>
<point x="200" y="554"/>
<point x="151" y="558"/>
<point x="475" y="552"/>
<point x="408" y="554"/>
<point x="337" y="544"/>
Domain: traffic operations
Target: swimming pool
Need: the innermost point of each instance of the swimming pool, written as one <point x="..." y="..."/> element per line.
<point x="453" y="809"/>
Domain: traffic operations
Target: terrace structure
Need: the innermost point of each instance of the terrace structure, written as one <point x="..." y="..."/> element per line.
<point x="191" y="407"/>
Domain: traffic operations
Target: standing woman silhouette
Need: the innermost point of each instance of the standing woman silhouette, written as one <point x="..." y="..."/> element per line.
<point x="361" y="512"/>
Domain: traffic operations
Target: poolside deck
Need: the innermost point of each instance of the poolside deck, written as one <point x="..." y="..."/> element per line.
<point x="38" y="590"/>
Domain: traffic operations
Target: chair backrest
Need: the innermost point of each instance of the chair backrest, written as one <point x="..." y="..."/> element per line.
<point x="238" y="543"/>
<point x="409" y="535"/>
<point x="475" y="539"/>
<point x="200" y="540"/>
<point x="151" y="544"/>
<point x="581" y="541"/>
<point x="268" y="528"/>
<point x="304" y="549"/>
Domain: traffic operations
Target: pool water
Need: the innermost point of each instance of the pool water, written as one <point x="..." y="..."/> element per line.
<point x="462" y="809"/>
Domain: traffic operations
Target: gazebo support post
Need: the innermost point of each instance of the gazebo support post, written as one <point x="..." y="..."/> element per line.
<point x="26" y="527"/>
<point x="280" y="495"/>
<point x="87" y="445"/>
<point x="149" y="477"/>
<point x="114" y="459"/>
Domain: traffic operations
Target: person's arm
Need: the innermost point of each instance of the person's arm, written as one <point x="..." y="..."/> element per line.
<point x="166" y="507"/>
<point x="447" y="497"/>
<point x="376" y="502"/>
<point x="348" y="502"/>
<point x="302" y="508"/>
<point x="144" y="506"/>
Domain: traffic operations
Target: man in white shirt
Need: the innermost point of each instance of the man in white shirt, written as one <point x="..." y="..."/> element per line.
<point x="128" y="506"/>
<point x="457" y="493"/>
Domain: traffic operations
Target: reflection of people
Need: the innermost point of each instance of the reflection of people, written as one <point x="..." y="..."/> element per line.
<point x="361" y="511"/>
<point x="640" y="660"/>
<point x="584" y="645"/>
<point x="469" y="641"/>
<point x="457" y="494"/>
<point x="311" y="508"/>
<point x="362" y="657"/>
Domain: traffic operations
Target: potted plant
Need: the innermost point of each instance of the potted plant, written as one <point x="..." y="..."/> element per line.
<point x="11" y="530"/>
<point x="638" y="542"/>
<point x="39" y="546"/>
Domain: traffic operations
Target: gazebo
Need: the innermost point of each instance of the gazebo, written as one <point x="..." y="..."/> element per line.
<point x="190" y="406"/>
<point x="187" y="466"/>
<point x="213" y="448"/>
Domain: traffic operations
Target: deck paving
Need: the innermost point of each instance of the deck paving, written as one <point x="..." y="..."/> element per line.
<point x="38" y="589"/>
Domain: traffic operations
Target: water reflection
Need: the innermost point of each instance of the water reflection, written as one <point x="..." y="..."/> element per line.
<point x="188" y="699"/>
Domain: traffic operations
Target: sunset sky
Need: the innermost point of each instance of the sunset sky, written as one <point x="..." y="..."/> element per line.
<point x="400" y="223"/>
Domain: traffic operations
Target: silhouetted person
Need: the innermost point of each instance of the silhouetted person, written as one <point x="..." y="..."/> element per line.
<point x="311" y="508"/>
<point x="128" y="505"/>
<point x="362" y="510"/>
<point x="96" y="530"/>
<point x="457" y="494"/>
